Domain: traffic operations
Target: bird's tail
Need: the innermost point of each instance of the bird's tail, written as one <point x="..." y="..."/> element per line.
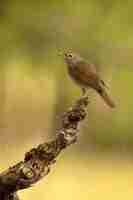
<point x="108" y="100"/>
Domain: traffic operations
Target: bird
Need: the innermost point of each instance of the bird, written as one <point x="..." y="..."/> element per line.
<point x="86" y="76"/>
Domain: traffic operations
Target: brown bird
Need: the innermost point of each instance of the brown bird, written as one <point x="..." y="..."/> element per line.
<point x="85" y="75"/>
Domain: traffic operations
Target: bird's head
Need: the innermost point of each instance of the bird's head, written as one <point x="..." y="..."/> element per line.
<point x="72" y="58"/>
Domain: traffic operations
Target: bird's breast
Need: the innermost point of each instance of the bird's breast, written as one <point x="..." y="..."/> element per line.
<point x="76" y="76"/>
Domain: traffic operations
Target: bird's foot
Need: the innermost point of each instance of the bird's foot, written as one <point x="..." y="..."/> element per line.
<point x="84" y="92"/>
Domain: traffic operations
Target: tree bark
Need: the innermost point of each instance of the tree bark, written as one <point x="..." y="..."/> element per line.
<point x="38" y="161"/>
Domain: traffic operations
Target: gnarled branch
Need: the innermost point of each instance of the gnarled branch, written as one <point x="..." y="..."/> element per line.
<point x="37" y="161"/>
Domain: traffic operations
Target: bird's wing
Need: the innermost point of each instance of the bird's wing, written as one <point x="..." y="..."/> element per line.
<point x="87" y="74"/>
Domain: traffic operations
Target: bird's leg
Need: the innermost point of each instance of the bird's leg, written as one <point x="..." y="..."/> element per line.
<point x="83" y="91"/>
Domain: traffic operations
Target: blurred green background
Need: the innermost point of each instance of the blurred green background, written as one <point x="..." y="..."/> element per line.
<point x="35" y="90"/>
